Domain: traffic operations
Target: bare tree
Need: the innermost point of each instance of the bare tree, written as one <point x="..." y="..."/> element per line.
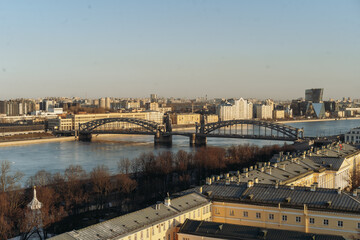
<point x="124" y="166"/>
<point x="41" y="178"/>
<point x="8" y="181"/>
<point x="6" y="224"/>
<point x="101" y="184"/>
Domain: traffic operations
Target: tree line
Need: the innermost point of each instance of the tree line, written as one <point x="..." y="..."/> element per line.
<point x="76" y="198"/>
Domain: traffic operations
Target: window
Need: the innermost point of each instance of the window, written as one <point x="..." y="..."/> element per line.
<point x="174" y="235"/>
<point x="298" y="219"/>
<point x="169" y="238"/>
<point x="147" y="233"/>
<point x="198" y="212"/>
<point x="312" y="220"/>
<point x="258" y="215"/>
<point x="358" y="225"/>
<point x="340" y="223"/>
<point x="326" y="221"/>
<point x="159" y="227"/>
<point x="284" y="218"/>
<point x="164" y="226"/>
<point x="271" y="216"/>
<point x="231" y="212"/>
<point x="174" y="223"/>
<point x="245" y="214"/>
<point x="216" y="211"/>
<point x="204" y="210"/>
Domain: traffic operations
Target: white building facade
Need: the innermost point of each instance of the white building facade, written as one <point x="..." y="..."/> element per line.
<point x="235" y="109"/>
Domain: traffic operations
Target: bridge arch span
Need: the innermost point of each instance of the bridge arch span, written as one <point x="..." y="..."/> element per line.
<point x="286" y="130"/>
<point x="149" y="126"/>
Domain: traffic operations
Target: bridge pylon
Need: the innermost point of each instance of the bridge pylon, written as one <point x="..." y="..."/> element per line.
<point x="197" y="140"/>
<point x="85" y="137"/>
<point x="162" y="139"/>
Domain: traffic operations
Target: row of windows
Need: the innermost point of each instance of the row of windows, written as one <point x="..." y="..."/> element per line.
<point x="167" y="225"/>
<point x="285" y="218"/>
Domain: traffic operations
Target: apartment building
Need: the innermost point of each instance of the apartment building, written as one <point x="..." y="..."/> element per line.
<point x="235" y="109"/>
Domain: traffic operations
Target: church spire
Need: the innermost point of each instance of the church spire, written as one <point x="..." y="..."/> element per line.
<point x="34" y="204"/>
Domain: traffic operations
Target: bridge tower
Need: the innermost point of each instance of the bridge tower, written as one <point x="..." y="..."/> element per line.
<point x="164" y="138"/>
<point x="197" y="140"/>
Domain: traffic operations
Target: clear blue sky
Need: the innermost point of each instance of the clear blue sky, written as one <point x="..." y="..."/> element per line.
<point x="179" y="48"/>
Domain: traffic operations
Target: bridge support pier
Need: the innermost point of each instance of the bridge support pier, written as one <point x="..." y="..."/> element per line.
<point x="196" y="140"/>
<point x="162" y="139"/>
<point x="85" y="137"/>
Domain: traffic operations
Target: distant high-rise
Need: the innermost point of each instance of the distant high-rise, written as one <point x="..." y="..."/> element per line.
<point x="102" y="103"/>
<point x="314" y="95"/>
<point x="153" y="97"/>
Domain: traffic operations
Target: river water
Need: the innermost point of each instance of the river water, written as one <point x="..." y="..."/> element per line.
<point x="57" y="156"/>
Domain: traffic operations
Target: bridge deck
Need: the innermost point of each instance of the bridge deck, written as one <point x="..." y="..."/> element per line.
<point x="275" y="138"/>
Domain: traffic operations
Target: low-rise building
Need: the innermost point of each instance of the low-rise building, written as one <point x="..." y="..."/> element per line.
<point x="160" y="221"/>
<point x="353" y="136"/>
<point x="185" y="118"/>
<point x="303" y="209"/>
<point x="199" y="230"/>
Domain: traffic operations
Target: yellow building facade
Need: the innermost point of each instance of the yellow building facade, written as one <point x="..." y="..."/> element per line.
<point x="185" y="118"/>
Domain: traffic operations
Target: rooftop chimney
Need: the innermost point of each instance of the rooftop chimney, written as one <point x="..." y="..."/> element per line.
<point x="256" y="180"/>
<point x="227" y="181"/>
<point x="313" y="188"/>
<point x="167" y="201"/>
<point x="355" y="193"/>
<point x="200" y="190"/>
<point x="268" y="170"/>
<point x="250" y="184"/>
<point x="292" y="187"/>
<point x="208" y="181"/>
<point x="277" y="184"/>
<point x="339" y="190"/>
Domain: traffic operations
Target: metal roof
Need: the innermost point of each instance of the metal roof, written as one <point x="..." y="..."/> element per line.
<point x="135" y="221"/>
<point x="240" y="232"/>
<point x="269" y="194"/>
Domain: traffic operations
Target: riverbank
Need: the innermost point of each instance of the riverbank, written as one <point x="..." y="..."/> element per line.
<point x="36" y="141"/>
<point x="318" y="120"/>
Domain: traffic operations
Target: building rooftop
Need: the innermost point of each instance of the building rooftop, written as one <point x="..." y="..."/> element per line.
<point x="325" y="199"/>
<point x="287" y="168"/>
<point x="240" y="232"/>
<point x="121" y="226"/>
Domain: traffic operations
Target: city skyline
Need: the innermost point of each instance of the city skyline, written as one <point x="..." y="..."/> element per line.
<point x="247" y="49"/>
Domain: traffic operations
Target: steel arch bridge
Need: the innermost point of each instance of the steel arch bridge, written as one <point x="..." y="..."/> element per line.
<point x="285" y="130"/>
<point x="150" y="127"/>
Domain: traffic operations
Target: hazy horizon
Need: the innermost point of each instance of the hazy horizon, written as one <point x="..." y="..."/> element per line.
<point x="222" y="49"/>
